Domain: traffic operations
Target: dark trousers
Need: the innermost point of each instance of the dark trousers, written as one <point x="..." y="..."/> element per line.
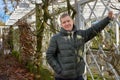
<point x="78" y="78"/>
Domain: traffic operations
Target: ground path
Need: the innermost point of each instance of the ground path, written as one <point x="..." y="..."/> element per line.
<point x="11" y="69"/>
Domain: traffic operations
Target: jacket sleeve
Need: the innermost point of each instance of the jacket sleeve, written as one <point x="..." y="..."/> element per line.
<point x="95" y="29"/>
<point x="51" y="56"/>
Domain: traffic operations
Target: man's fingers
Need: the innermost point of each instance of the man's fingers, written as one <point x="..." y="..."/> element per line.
<point x="110" y="14"/>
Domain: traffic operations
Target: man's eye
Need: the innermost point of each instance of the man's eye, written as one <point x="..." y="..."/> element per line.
<point x="63" y="22"/>
<point x="68" y="21"/>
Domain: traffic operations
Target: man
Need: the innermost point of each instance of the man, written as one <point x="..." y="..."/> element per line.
<point x="65" y="51"/>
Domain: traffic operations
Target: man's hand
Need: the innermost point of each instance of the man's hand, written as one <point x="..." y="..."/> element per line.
<point x="110" y="15"/>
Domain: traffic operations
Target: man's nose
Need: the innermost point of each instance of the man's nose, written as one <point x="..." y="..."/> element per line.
<point x="67" y="23"/>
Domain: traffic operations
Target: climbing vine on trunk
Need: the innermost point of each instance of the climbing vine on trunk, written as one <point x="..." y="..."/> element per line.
<point x="26" y="42"/>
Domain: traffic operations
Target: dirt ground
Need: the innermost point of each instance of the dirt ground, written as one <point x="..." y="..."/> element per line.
<point x="11" y="69"/>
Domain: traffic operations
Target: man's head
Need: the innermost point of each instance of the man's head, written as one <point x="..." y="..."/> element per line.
<point x="66" y="22"/>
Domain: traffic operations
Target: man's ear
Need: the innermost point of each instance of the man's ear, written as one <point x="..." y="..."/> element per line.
<point x="73" y="21"/>
<point x="61" y="24"/>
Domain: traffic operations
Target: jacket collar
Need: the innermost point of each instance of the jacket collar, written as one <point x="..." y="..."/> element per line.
<point x="66" y="33"/>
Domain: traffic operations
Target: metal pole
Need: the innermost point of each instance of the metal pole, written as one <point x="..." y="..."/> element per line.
<point x="79" y="21"/>
<point x="117" y="34"/>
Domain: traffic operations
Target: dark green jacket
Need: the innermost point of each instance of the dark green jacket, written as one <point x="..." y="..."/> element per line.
<point x="65" y="51"/>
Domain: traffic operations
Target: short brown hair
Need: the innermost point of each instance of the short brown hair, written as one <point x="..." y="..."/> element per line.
<point x="64" y="15"/>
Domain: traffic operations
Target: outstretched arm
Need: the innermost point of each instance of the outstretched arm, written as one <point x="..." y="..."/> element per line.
<point x="97" y="28"/>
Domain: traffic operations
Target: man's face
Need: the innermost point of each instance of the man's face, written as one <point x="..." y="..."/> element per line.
<point x="67" y="23"/>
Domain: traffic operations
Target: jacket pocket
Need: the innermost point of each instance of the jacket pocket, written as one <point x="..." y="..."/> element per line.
<point x="57" y="69"/>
